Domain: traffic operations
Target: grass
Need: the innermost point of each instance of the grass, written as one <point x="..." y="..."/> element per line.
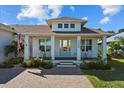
<point x="108" y="78"/>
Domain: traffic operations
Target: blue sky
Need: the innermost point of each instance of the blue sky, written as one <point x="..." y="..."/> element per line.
<point x="105" y="17"/>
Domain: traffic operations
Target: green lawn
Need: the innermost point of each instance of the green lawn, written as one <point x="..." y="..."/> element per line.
<point x="108" y="78"/>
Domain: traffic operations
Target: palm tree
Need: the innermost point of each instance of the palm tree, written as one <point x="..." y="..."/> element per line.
<point x="116" y="49"/>
<point x="122" y="46"/>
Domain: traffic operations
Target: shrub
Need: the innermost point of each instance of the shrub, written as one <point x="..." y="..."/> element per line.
<point x="84" y="66"/>
<point x="34" y="62"/>
<point x="46" y="64"/>
<point x="2" y="65"/>
<point x="95" y="64"/>
<point x="24" y="64"/>
<point x="14" y="61"/>
<point x="27" y="63"/>
<point x="100" y="52"/>
<point x="109" y="58"/>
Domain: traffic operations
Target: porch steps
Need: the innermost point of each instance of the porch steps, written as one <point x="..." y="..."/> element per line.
<point x="66" y="64"/>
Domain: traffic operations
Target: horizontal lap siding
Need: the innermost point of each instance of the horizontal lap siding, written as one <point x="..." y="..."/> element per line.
<point x="36" y="52"/>
<point x="5" y="39"/>
<point x="77" y="27"/>
<point x="94" y="52"/>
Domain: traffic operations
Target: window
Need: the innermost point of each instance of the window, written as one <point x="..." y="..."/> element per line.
<point x="45" y="45"/>
<point x="59" y="25"/>
<point x="48" y="44"/>
<point x="65" y="25"/>
<point x="72" y="25"/>
<point x="83" y="45"/>
<point x="42" y="45"/>
<point x="86" y="45"/>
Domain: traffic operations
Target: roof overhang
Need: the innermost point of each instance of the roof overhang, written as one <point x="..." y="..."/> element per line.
<point x="63" y="34"/>
<point x="6" y="28"/>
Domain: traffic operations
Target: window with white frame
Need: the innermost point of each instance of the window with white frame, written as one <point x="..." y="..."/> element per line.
<point x="66" y="25"/>
<point x="86" y="45"/>
<point x="72" y="25"/>
<point x="59" y="25"/>
<point x="83" y="45"/>
<point x="45" y="45"/>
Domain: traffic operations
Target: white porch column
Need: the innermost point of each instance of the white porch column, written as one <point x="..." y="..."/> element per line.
<point x="52" y="47"/>
<point x="104" y="48"/>
<point x="26" y="47"/>
<point x="78" y="48"/>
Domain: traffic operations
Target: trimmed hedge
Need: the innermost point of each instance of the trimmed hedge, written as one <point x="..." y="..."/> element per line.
<point x="98" y="65"/>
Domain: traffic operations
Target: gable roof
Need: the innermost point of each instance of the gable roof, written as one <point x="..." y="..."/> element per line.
<point x="65" y="18"/>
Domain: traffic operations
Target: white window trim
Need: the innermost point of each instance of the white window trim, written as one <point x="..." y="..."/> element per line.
<point x="85" y="45"/>
<point x="45" y="44"/>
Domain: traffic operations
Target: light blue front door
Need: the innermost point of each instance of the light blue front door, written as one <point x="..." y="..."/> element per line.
<point x="65" y="47"/>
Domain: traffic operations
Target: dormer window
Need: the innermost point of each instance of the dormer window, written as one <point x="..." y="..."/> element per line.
<point x="59" y="25"/>
<point x="65" y="25"/>
<point x="72" y="25"/>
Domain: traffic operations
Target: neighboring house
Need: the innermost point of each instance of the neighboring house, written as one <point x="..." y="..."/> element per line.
<point x="62" y="38"/>
<point x="112" y="38"/>
<point x="6" y="36"/>
<point x="115" y="37"/>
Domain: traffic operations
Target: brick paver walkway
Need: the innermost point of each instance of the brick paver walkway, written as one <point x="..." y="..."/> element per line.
<point x="36" y="78"/>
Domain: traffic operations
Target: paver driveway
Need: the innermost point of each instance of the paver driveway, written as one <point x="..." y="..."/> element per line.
<point x="37" y="78"/>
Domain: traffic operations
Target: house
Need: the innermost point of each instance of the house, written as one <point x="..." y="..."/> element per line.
<point x="61" y="38"/>
<point x="115" y="37"/>
<point x="112" y="38"/>
<point x="6" y="36"/>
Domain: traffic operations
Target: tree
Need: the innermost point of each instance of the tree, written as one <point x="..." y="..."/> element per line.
<point x="121" y="40"/>
<point x="121" y="30"/>
<point x="111" y="32"/>
<point x="12" y="48"/>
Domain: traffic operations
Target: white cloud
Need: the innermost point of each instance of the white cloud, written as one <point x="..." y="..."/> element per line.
<point x="72" y="8"/>
<point x="111" y="9"/>
<point x="55" y="10"/>
<point x="5" y="23"/>
<point x="105" y="20"/>
<point x="41" y="13"/>
<point x="85" y="18"/>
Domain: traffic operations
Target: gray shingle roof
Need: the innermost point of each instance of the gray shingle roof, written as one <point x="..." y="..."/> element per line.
<point x="46" y="29"/>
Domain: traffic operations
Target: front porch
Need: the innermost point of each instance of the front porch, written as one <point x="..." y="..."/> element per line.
<point x="63" y="47"/>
